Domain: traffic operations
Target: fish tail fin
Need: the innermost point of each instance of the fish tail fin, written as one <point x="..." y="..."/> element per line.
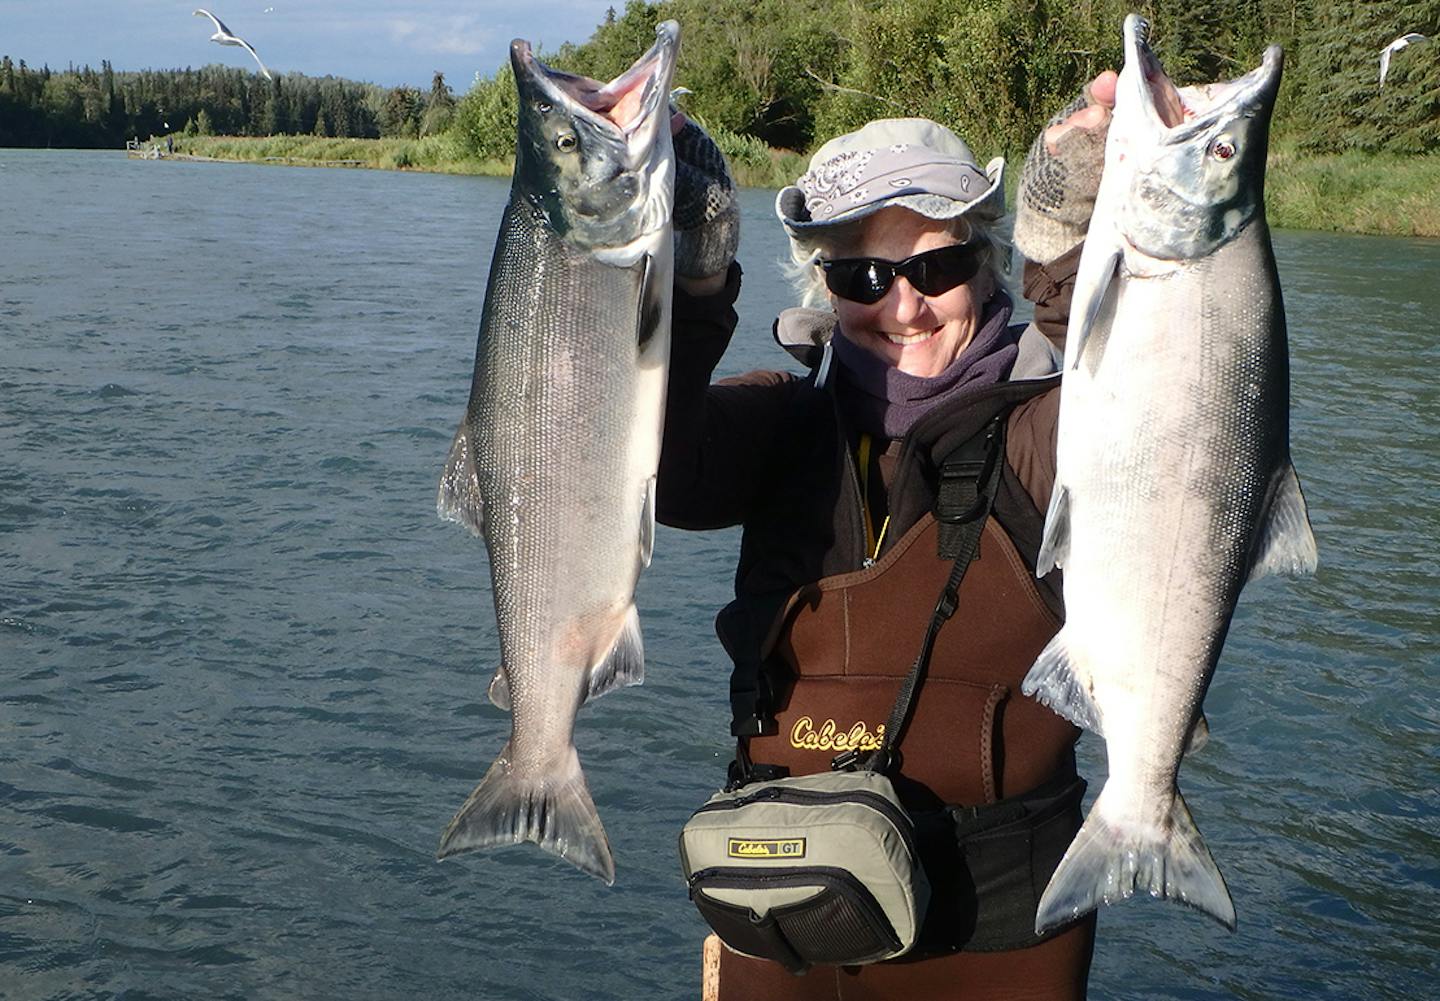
<point x="459" y="496"/>
<point x="554" y="810"/>
<point x="1109" y="862"/>
<point x="1055" y="681"/>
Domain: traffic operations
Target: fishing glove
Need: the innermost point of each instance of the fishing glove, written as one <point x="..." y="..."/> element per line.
<point x="707" y="217"/>
<point x="1057" y="190"/>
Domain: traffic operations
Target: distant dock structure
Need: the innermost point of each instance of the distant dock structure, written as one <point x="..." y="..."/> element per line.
<point x="137" y="150"/>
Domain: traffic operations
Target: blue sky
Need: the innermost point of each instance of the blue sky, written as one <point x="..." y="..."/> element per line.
<point x="389" y="43"/>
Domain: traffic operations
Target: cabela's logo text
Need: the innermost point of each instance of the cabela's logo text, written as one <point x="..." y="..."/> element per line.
<point x="765" y="847"/>
<point x="829" y="737"/>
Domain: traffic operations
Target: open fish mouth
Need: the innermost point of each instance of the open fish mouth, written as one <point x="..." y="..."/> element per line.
<point x="1180" y="113"/>
<point x="627" y="108"/>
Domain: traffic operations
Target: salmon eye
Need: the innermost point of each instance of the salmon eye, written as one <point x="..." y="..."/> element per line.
<point x="545" y="107"/>
<point x="566" y="142"/>
<point x="1222" y="149"/>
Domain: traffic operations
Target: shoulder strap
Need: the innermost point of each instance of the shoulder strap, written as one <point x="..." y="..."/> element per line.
<point x="969" y="479"/>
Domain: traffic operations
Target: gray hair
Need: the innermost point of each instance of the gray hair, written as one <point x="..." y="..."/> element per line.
<point x="808" y="279"/>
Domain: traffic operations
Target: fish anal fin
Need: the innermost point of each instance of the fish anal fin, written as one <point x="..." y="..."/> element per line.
<point x="553" y="809"/>
<point x="1055" y="542"/>
<point x="459" y="497"/>
<point x="624" y="664"/>
<point x="1055" y="681"/>
<point x="1286" y="543"/>
<point x="1109" y="862"/>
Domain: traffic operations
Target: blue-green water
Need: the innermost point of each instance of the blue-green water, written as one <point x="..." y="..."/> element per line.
<point x="243" y="666"/>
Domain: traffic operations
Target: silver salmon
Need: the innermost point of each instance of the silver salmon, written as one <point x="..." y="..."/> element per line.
<point x="1174" y="485"/>
<point x="554" y="463"/>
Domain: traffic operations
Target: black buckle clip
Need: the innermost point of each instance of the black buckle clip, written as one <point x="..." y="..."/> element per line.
<point x="846" y="761"/>
<point x="949" y="601"/>
<point x="755" y="725"/>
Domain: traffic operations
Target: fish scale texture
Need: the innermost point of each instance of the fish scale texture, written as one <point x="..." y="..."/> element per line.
<point x="553" y="422"/>
<point x="1170" y="470"/>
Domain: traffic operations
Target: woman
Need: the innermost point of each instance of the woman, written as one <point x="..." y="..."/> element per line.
<point x="836" y="478"/>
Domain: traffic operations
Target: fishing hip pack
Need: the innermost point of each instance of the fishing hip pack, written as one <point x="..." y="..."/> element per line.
<point x="811" y="869"/>
<point x="825" y="868"/>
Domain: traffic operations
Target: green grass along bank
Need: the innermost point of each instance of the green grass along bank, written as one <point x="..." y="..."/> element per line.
<point x="1383" y="194"/>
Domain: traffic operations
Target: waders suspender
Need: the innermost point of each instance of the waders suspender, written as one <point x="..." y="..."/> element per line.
<point x="969" y="477"/>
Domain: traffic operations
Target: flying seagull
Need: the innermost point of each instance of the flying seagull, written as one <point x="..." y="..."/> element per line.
<point x="225" y="36"/>
<point x="1407" y="39"/>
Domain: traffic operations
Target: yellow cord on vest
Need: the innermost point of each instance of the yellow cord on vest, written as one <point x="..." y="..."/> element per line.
<point x="872" y="541"/>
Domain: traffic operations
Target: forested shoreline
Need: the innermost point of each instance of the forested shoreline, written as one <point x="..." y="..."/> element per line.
<point x="787" y="74"/>
<point x="772" y="79"/>
<point x="95" y="109"/>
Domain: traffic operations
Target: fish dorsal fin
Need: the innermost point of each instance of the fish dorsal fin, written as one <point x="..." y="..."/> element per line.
<point x="1095" y="286"/>
<point x="625" y="662"/>
<point x="1286" y="544"/>
<point x="1055" y="544"/>
<point x="647" y="524"/>
<point x="459" y="497"/>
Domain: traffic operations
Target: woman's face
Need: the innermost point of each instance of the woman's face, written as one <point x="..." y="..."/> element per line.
<point x="918" y="334"/>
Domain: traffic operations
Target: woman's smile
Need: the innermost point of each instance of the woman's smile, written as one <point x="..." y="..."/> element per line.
<point x="918" y="334"/>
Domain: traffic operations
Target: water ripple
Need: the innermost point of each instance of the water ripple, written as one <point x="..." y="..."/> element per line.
<point x="245" y="665"/>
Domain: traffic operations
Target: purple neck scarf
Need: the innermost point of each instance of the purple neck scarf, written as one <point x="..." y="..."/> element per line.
<point x="882" y="400"/>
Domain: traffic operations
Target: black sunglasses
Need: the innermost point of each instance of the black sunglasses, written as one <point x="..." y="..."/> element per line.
<point x="867" y="279"/>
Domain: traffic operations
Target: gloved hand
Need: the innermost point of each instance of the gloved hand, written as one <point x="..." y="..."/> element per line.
<point x="707" y="217"/>
<point x="1062" y="174"/>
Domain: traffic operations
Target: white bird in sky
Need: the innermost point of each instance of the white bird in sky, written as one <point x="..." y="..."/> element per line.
<point x="1407" y="39"/>
<point x="225" y="36"/>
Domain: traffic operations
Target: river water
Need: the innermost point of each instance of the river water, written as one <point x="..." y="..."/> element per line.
<point x="243" y="666"/>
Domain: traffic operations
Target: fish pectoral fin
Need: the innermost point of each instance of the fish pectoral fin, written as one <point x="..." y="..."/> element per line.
<point x="1055" y="542"/>
<point x="1286" y="544"/>
<point x="624" y="664"/>
<point x="459" y="497"/>
<point x="650" y="305"/>
<point x="1095" y="287"/>
<point x="1054" y="680"/>
<point x="553" y="809"/>
<point x="499" y="690"/>
<point x="1107" y="863"/>
<point x="647" y="524"/>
